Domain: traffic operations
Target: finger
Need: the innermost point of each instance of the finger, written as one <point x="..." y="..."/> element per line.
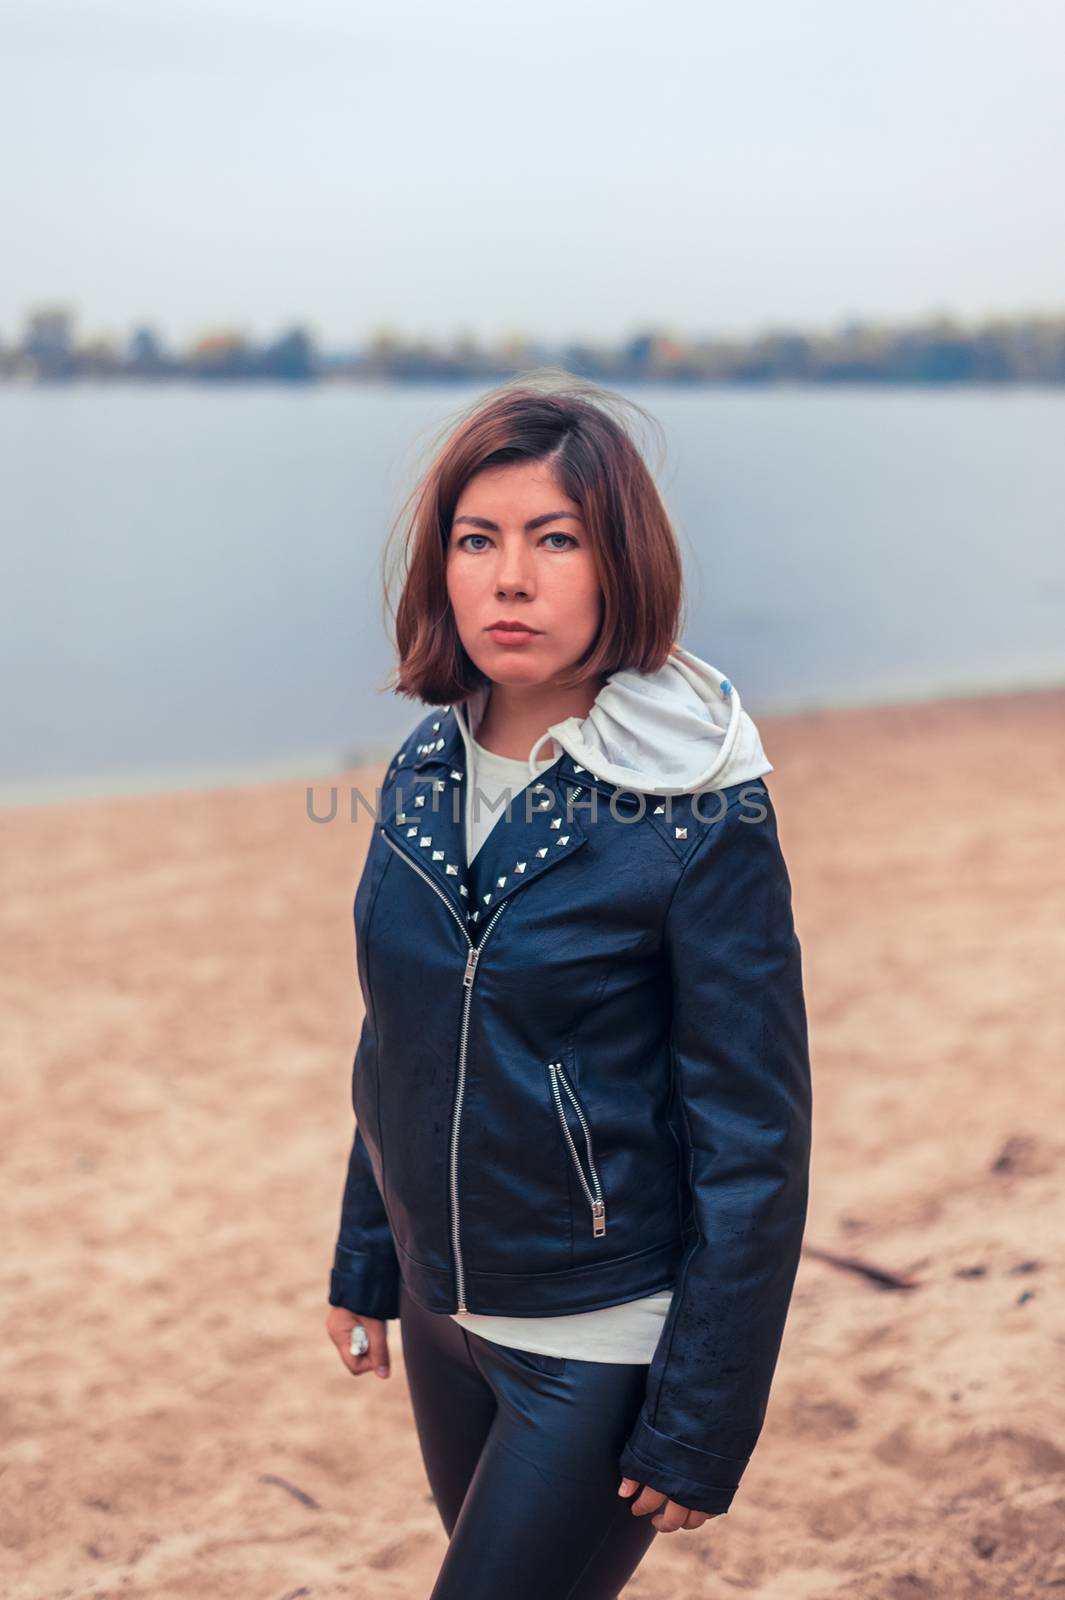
<point x="647" y="1500"/>
<point x="671" y="1517"/>
<point x="377" y="1356"/>
<point x="628" y="1486"/>
<point x="695" y="1519"/>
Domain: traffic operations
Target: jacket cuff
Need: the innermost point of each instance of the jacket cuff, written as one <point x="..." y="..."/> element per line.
<point x="367" y="1285"/>
<point x="694" y="1478"/>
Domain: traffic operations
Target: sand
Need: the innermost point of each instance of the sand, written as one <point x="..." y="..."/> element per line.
<point x="180" y="1011"/>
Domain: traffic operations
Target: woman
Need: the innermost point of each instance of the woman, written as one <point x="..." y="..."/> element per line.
<point x="582" y="1092"/>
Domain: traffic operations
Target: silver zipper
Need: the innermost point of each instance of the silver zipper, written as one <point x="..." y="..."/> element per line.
<point x="468" y="976"/>
<point x="595" y="1200"/>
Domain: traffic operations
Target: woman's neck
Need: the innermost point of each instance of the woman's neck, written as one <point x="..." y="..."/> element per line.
<point x="515" y="717"/>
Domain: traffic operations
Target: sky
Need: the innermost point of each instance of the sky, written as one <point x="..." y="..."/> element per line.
<point x="577" y="169"/>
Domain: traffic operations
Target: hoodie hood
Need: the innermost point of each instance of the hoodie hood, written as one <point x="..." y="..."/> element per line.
<point x="669" y="732"/>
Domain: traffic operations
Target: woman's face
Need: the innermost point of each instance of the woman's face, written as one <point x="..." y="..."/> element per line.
<point x="519" y="552"/>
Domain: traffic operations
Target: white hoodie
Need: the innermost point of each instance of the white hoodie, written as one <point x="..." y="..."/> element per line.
<point x="674" y="731"/>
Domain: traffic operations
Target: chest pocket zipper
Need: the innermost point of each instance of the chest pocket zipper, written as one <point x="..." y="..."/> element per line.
<point x="594" y="1191"/>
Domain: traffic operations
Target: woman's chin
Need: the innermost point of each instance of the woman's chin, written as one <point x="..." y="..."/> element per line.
<point x="514" y="667"/>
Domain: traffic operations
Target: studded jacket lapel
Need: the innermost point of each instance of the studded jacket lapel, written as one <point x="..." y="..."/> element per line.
<point x="424" y="818"/>
<point x="424" y="808"/>
<point x="540" y="832"/>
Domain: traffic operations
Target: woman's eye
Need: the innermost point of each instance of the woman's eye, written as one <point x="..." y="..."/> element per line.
<point x="463" y="542"/>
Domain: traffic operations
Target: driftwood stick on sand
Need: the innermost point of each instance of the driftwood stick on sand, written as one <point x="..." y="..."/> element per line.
<point x="301" y="1495"/>
<point x="882" y="1276"/>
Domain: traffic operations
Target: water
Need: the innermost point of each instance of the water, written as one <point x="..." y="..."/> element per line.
<point x="192" y="586"/>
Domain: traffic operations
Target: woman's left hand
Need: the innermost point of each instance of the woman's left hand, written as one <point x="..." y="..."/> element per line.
<point x="669" y="1514"/>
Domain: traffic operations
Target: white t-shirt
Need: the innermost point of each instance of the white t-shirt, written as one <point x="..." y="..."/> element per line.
<point x="628" y="1332"/>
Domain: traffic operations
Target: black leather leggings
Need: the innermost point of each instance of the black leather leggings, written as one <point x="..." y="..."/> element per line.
<point x="521" y="1452"/>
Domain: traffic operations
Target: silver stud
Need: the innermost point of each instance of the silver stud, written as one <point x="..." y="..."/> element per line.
<point x="436" y="727"/>
<point x="564" y="839"/>
<point x="463" y="889"/>
<point x="486" y="898"/>
<point x="456" y="775"/>
<point x="401" y="757"/>
<point x="519" y="866"/>
<point x="438" y="783"/>
<point x="576" y="768"/>
<point x="438" y="855"/>
<point x="681" y="833"/>
<point x="401" y="816"/>
<point x="411" y="832"/>
<point x="556" y="822"/>
<point x="659" y="810"/>
<point x="439" y="745"/>
<point x="501" y="881"/>
<point x="451" y="870"/>
<point x="542" y="852"/>
<point x="391" y="773"/>
<point x="419" y="799"/>
<point x="426" y="838"/>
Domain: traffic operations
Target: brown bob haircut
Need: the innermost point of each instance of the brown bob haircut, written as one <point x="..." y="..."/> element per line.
<point x="549" y="415"/>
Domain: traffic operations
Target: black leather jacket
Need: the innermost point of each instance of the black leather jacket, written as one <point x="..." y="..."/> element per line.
<point x="583" y="1077"/>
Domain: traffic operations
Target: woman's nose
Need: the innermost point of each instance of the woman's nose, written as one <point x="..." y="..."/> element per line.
<point x="513" y="573"/>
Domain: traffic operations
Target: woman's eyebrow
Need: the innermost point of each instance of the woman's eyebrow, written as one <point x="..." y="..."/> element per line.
<point x="533" y="522"/>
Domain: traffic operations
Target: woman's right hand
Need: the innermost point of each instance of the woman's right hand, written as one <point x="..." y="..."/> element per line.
<point x="339" y="1323"/>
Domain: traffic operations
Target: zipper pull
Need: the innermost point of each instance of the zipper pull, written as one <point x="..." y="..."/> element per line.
<point x="598" y="1218"/>
<point x="471" y="966"/>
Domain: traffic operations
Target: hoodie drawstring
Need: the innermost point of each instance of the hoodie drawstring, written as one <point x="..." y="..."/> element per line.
<point x="532" y="753"/>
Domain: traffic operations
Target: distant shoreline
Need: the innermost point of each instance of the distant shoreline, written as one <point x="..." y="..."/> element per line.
<point x="930" y="351"/>
<point x="187" y="379"/>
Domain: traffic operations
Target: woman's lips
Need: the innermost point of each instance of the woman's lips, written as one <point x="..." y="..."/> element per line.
<point x="512" y="635"/>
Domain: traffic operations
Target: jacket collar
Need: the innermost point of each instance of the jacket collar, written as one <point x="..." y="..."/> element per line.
<point x="425" y="812"/>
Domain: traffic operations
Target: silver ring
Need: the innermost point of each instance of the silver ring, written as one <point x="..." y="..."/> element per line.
<point x="360" y="1342"/>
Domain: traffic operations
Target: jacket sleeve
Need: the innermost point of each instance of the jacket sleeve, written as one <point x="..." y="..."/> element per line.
<point x="742" y="1073"/>
<point x="365" y="1273"/>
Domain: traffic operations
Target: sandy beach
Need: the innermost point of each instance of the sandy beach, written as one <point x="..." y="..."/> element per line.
<point x="180" y="1011"/>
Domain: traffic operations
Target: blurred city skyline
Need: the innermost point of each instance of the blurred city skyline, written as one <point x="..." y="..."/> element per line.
<point x="577" y="174"/>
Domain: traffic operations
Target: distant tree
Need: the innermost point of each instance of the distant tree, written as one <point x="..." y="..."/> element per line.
<point x="49" y="342"/>
<point x="145" y="354"/>
<point x="290" y="357"/>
